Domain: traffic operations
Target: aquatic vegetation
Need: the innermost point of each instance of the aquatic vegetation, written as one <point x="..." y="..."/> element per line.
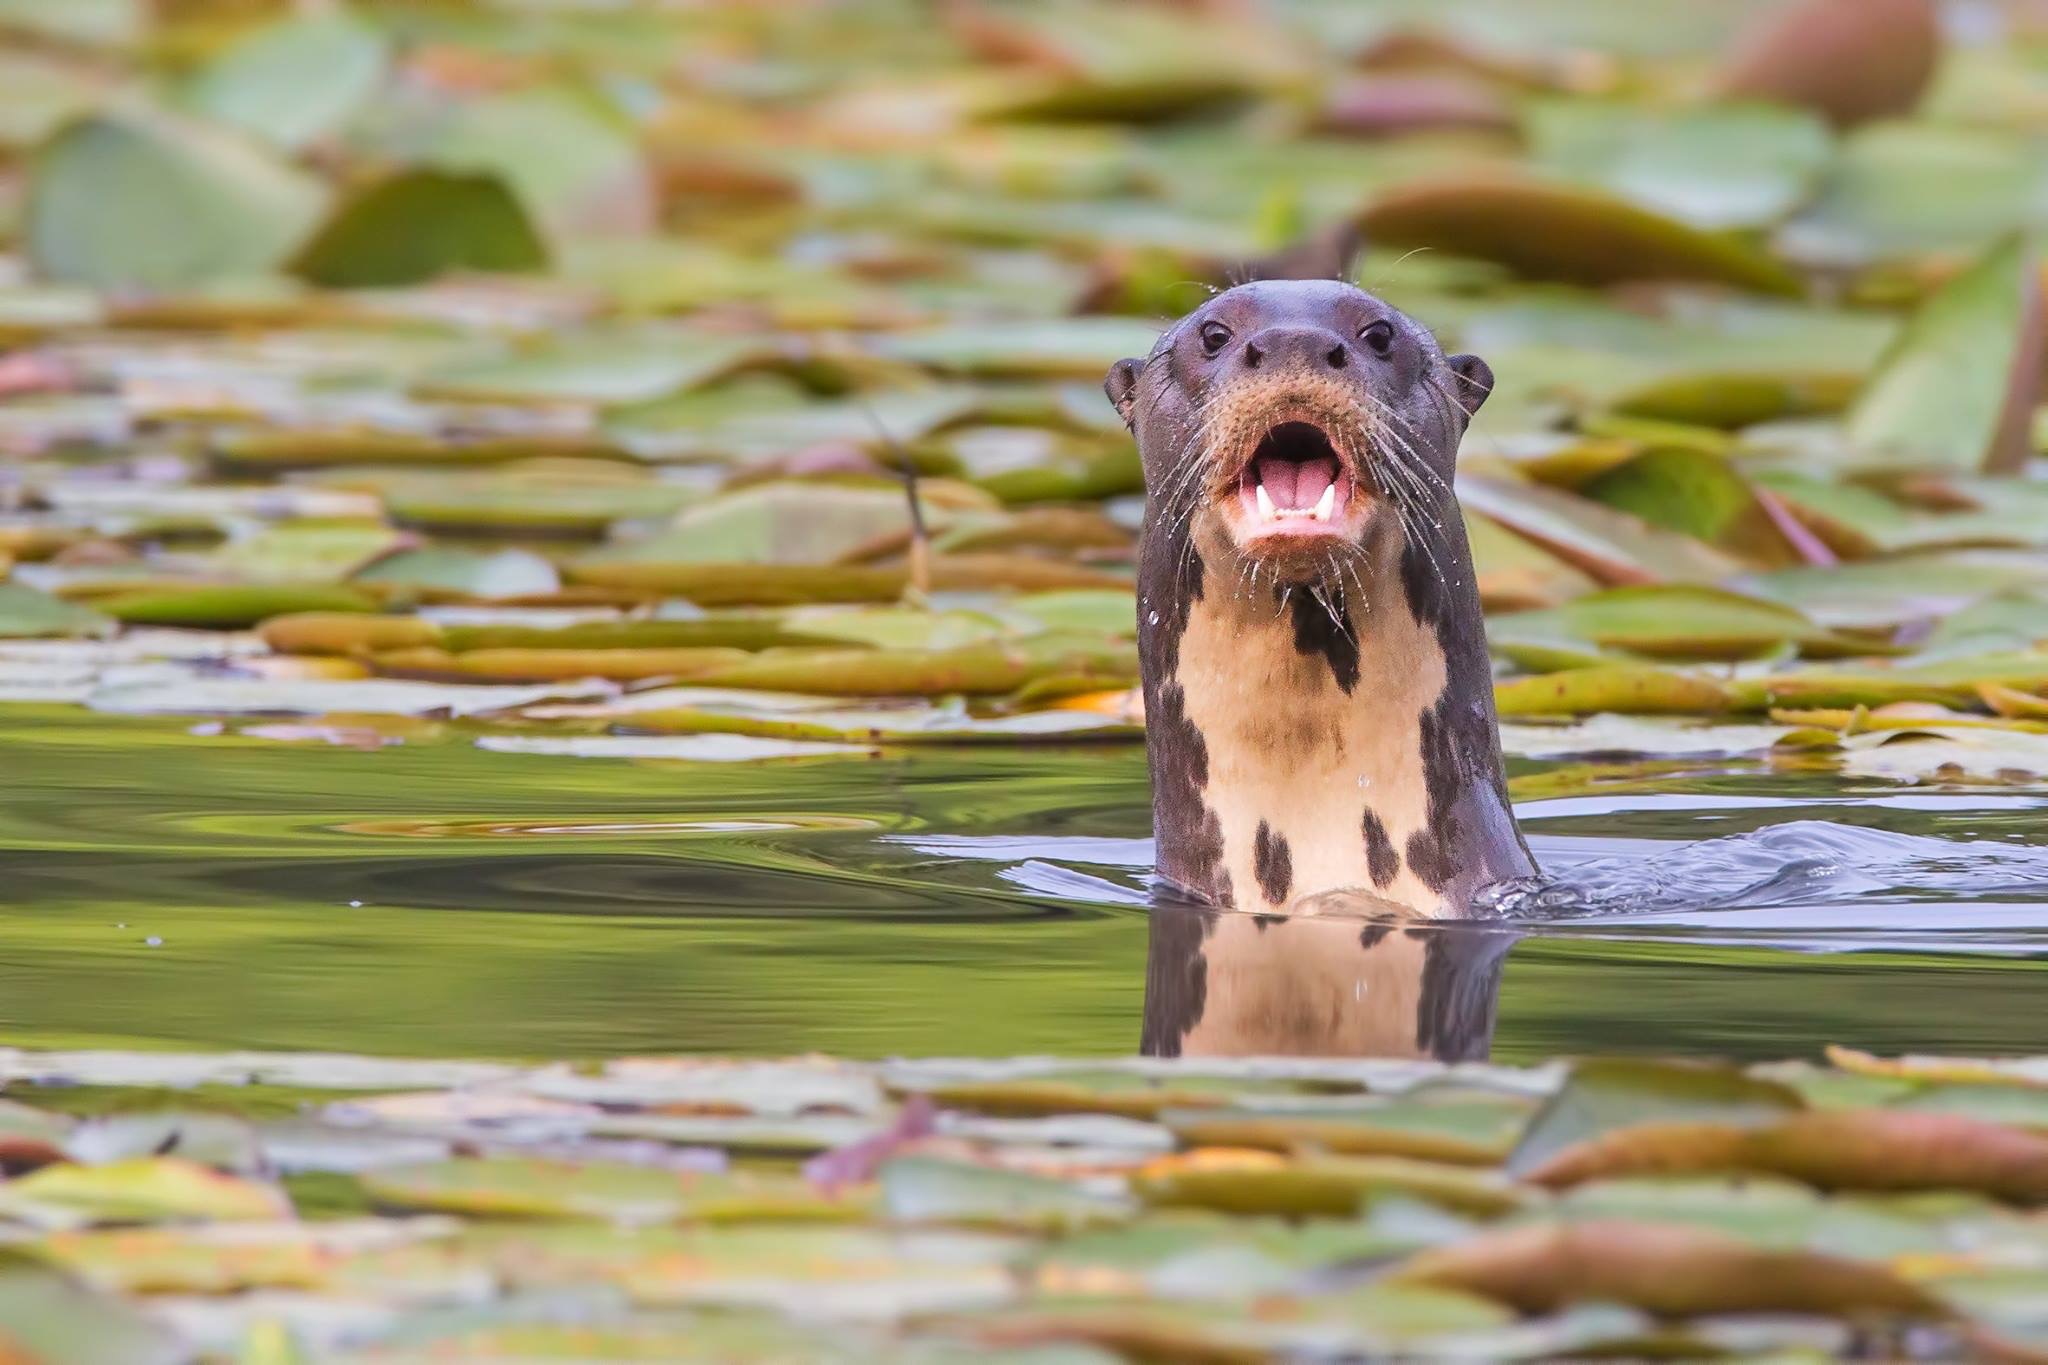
<point x="504" y="356"/>
<point x="332" y="1207"/>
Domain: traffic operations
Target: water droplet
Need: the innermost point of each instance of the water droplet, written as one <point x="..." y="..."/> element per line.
<point x="355" y="905"/>
<point x="153" y="941"/>
<point x="1153" y="619"/>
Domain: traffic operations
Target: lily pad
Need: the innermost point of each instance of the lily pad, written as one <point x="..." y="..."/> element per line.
<point x="1958" y="388"/>
<point x="240" y="211"/>
<point x="929" y="1189"/>
<point x="419" y="224"/>
<point x="511" y="1187"/>
<point x="26" y="614"/>
<point x="293" y="81"/>
<point x="1564" y="232"/>
<point x="139" y="1190"/>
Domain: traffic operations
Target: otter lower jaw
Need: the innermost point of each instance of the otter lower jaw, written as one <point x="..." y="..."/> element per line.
<point x="1296" y="491"/>
<point x="1295" y="482"/>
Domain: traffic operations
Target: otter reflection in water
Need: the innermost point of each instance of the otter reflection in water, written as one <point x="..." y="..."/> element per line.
<point x="1223" y="983"/>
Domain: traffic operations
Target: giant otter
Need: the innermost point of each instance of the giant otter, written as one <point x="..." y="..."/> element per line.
<point x="1318" y="697"/>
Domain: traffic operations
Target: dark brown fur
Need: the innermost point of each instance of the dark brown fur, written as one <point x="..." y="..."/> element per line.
<point x="1324" y="720"/>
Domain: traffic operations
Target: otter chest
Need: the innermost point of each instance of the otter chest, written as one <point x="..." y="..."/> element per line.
<point x="1316" y="727"/>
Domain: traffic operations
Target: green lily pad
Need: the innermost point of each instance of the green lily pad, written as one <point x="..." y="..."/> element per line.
<point x="933" y="1190"/>
<point x="1603" y="1096"/>
<point x="1670" y="621"/>
<point x="624" y="368"/>
<point x="305" y="551"/>
<point x="568" y="156"/>
<point x="294" y="81"/>
<point x="469" y="573"/>
<point x="1958" y="388"/>
<point x="1328" y="1187"/>
<point x="975" y="670"/>
<point x="1055" y="348"/>
<point x="514" y="1187"/>
<point x="101" y="189"/>
<point x="1474" y="1129"/>
<point x="1634" y="691"/>
<point x="1613" y="546"/>
<point x="1716" y="166"/>
<point x="1563" y="232"/>
<point x="228" y="606"/>
<point x="26" y="614"/>
<point x="139" y="1190"/>
<point x="416" y="225"/>
<point x="48" y="1318"/>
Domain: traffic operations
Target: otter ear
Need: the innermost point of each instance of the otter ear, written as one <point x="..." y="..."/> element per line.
<point x="1474" y="382"/>
<point x="1121" y="384"/>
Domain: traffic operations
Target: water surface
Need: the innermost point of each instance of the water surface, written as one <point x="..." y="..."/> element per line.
<point x="200" y="890"/>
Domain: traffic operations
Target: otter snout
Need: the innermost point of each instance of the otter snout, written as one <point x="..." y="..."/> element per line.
<point x="1308" y="349"/>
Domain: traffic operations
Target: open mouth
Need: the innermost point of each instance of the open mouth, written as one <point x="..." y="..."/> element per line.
<point x="1295" y="483"/>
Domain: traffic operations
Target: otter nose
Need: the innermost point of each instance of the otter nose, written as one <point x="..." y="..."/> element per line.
<point x="1306" y="348"/>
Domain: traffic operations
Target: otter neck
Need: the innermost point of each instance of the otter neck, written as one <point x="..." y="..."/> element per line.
<point x="1342" y="739"/>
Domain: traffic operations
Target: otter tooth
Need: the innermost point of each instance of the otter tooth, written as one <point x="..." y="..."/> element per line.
<point x="1327" y="503"/>
<point x="1265" y="501"/>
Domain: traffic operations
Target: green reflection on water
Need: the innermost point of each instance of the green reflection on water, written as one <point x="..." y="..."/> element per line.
<point x="514" y="905"/>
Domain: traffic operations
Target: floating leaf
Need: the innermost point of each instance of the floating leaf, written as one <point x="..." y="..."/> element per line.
<point x="1564" y="232"/>
<point x="1670" y="622"/>
<point x="975" y="670"/>
<point x="931" y="1190"/>
<point x="294" y="81"/>
<point x="48" y="1318"/>
<point x="102" y="188"/>
<point x="346" y="633"/>
<point x="1473" y="1129"/>
<point x="568" y="156"/>
<point x="378" y="696"/>
<point x="1698" y="494"/>
<point x="138" y="1190"/>
<point x="1732" y="399"/>
<point x="1605" y="1095"/>
<point x="1325" y="1187"/>
<point x="1633" y="691"/>
<point x="1667" y="1270"/>
<point x="28" y="614"/>
<point x="229" y="606"/>
<point x="415" y="225"/>
<point x="1958" y="387"/>
<point x="624" y="368"/>
<point x="1083" y="347"/>
<point x="1614" y="547"/>
<point x="467" y="573"/>
<point x="549" y="665"/>
<point x="1713" y="167"/>
<point x="512" y="1187"/>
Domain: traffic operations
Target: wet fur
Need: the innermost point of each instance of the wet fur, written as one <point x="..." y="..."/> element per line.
<point x="1330" y="727"/>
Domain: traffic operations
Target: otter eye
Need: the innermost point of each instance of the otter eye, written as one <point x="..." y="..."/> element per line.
<point x="1215" y="336"/>
<point x="1378" y="335"/>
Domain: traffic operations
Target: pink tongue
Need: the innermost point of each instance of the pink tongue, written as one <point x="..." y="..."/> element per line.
<point x="1290" y="484"/>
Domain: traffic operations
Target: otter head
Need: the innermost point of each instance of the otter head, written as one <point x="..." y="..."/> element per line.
<point x="1319" y="701"/>
<point x="1286" y="420"/>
